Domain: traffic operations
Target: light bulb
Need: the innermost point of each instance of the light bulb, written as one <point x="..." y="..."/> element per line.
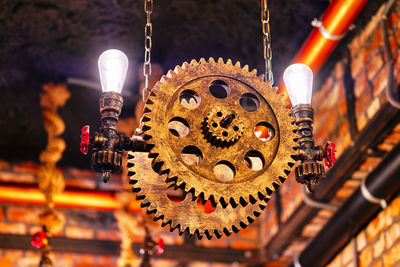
<point x="113" y="65"/>
<point x="298" y="79"/>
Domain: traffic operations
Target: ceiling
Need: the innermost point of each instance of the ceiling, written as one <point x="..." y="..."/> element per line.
<point x="51" y="41"/>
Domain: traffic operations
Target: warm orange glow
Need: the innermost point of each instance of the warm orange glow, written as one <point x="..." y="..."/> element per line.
<point x="207" y="207"/>
<point x="71" y="199"/>
<point x="336" y="19"/>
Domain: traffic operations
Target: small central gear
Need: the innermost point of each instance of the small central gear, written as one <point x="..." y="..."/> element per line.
<point x="222" y="127"/>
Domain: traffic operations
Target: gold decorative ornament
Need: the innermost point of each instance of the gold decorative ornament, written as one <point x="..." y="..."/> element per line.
<point x="185" y="215"/>
<point x="202" y="121"/>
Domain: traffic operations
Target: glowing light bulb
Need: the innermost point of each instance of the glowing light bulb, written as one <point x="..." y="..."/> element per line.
<point x="113" y="65"/>
<point x="298" y="79"/>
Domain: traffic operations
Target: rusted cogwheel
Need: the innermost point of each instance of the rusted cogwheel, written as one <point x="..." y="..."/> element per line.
<point x="253" y="166"/>
<point x="185" y="216"/>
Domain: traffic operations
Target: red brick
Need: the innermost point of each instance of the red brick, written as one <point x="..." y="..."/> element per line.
<point x="113" y="235"/>
<point x="79" y="232"/>
<point x="34" y="229"/>
<point x="81" y="183"/>
<point x="220" y="243"/>
<point x="361" y="84"/>
<point x="81" y="174"/>
<point x="366" y="257"/>
<point x="380" y="81"/>
<point x="14" y="253"/>
<point x="250" y="233"/>
<point x="22" y="214"/>
<point x="394" y="208"/>
<point x="361" y="240"/>
<point x="374" y="228"/>
<point x="361" y="121"/>
<point x="241" y="244"/>
<point x="379" y="246"/>
<point x="6" y="262"/>
<point x="107" y="260"/>
<point x="4" y="165"/>
<point x="374" y="65"/>
<point x="392" y="235"/>
<point x="12" y="228"/>
<point x="362" y="103"/>
<point x="347" y="253"/>
<point x="12" y="177"/>
<point x="392" y="256"/>
<point x="27" y="167"/>
<point x="358" y="62"/>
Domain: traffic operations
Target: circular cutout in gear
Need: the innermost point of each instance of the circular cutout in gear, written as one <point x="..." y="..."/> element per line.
<point x="185" y="215"/>
<point x="222" y="128"/>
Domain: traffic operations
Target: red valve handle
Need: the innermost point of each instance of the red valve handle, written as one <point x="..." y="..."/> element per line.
<point x="330" y="154"/>
<point x="39" y="239"/>
<point x="85" y="138"/>
<point x="160" y="246"/>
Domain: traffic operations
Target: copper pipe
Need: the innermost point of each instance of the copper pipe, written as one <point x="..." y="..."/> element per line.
<point x="68" y="199"/>
<point x="336" y="21"/>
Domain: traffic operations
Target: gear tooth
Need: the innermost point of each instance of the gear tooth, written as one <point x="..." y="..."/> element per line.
<point x="208" y="234"/>
<point x="217" y="234"/>
<point x="227" y="232"/>
<point x="185" y="65"/>
<point x="250" y="219"/>
<point x="220" y="60"/>
<point x="229" y="62"/>
<point x="162" y="80"/>
<point x="169" y="74"/>
<point x="194" y="62"/>
<point x="177" y="69"/>
<point x="254" y="81"/>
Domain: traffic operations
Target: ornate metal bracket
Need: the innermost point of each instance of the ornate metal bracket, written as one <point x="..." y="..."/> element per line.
<point x="310" y="171"/>
<point x="108" y="144"/>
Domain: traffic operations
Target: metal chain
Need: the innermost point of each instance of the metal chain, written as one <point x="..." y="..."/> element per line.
<point x="266" y="41"/>
<point x="148" y="31"/>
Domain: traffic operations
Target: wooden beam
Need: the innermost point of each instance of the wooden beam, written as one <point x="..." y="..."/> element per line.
<point x="186" y="253"/>
<point x="99" y="200"/>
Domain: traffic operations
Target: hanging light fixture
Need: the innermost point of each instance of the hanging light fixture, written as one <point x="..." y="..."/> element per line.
<point x="108" y="144"/>
<point x="214" y="130"/>
<point x="298" y="80"/>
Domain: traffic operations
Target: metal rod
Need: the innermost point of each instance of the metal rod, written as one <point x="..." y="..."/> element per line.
<point x="389" y="58"/>
<point x="377" y="128"/>
<point x="352" y="216"/>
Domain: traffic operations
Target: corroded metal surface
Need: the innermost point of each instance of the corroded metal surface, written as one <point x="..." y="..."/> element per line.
<point x="185" y="215"/>
<point x="184" y="98"/>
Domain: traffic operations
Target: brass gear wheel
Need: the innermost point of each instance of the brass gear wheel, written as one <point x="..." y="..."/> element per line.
<point x="251" y="168"/>
<point x="218" y="128"/>
<point x="185" y="216"/>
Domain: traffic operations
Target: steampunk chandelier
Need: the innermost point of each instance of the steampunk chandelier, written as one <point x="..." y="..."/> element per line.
<point x="213" y="131"/>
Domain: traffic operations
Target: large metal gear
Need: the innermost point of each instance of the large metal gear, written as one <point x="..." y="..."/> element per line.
<point x="185" y="216"/>
<point x="243" y="167"/>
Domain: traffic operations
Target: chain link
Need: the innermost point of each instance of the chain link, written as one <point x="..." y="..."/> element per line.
<point x="266" y="41"/>
<point x="148" y="31"/>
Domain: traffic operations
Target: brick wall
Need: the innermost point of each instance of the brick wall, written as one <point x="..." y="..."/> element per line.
<point x="369" y="73"/>
<point x="377" y="245"/>
<point x="22" y="219"/>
